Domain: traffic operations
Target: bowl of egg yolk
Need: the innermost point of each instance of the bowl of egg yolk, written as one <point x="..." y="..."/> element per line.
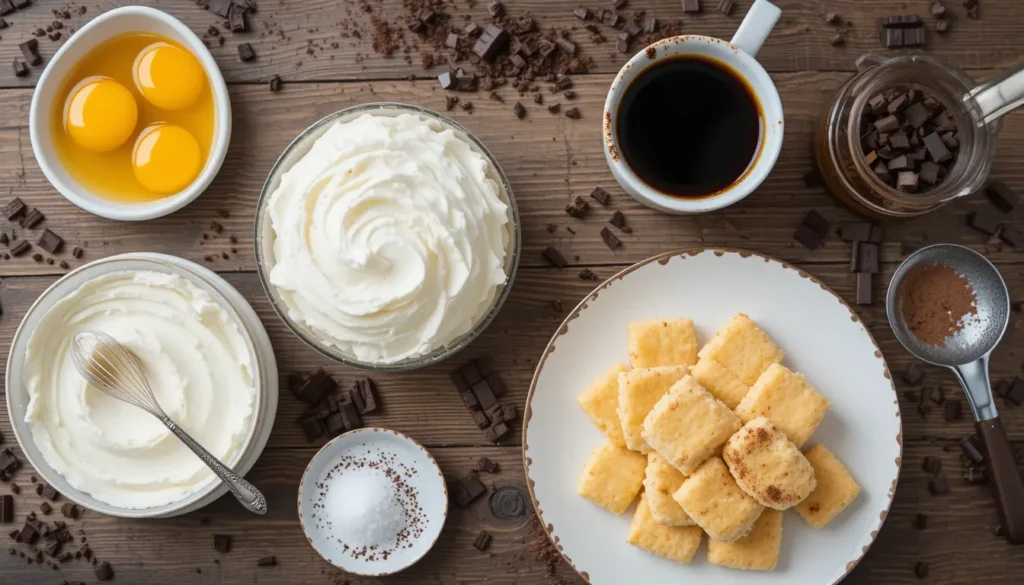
<point x="131" y="119"/>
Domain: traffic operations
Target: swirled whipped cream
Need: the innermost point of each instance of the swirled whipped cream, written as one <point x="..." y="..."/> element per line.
<point x="391" y="237"/>
<point x="199" y="367"/>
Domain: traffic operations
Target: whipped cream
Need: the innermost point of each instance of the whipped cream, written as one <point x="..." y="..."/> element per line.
<point x="391" y="237"/>
<point x="198" y="365"/>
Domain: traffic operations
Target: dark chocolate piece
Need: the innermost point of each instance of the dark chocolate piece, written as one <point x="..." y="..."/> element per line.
<point x="50" y="242"/>
<point x="893" y="38"/>
<point x="971" y="447"/>
<point x="554" y="257"/>
<point x="583" y="13"/>
<point x="267" y="561"/>
<point x="887" y="124"/>
<point x="510" y="412"/>
<point x="450" y="101"/>
<point x="930" y="172"/>
<point x="319" y="383"/>
<point x="936" y="395"/>
<point x="220" y="7"/>
<point x="472" y="29"/>
<point x="855" y="232"/>
<point x="1015" y="393"/>
<point x="495" y="414"/>
<point x="914" y="37"/>
<point x="618" y="220"/>
<point x="488" y="465"/>
<point x="77" y="252"/>
<point x="222" y="543"/>
<point x="467" y="490"/>
<point x="482" y="541"/>
<point x="28" y="534"/>
<point x="49" y="492"/>
<point x="921" y="522"/>
<point x="914" y="374"/>
<point x="520" y="110"/>
<point x="554" y="107"/>
<point x="942" y="25"/>
<point x="865" y="288"/>
<point x="275" y="84"/>
<point x="246" y="52"/>
<point x="480" y="418"/>
<point x="600" y="195"/>
<point x="907" y="181"/>
<point x="6" y="509"/>
<point x="33" y="218"/>
<point x="610" y="239"/>
<point x="818" y="223"/>
<point x="1000" y="195"/>
<point x="14" y="209"/>
<point x="954" y="409"/>
<point x="497" y="385"/>
<point x="20" y="68"/>
<point x="573" y="113"/>
<point x="45" y="508"/>
<point x="726" y="6"/>
<point x="312" y="427"/>
<point x="577" y="208"/>
<point x="1012" y="236"/>
<point x="350" y="416"/>
<point x="491" y="42"/>
<point x="811" y="239"/>
<point x="932" y="465"/>
<point x="30" y="50"/>
<point x="495" y="8"/>
<point x="900" y="163"/>
<point x="484" y="395"/>
<point x="104" y="572"/>
<point x="566" y="45"/>
<point x="495" y="433"/>
<point x="691" y="6"/>
<point x="937" y="149"/>
<point x="985" y="221"/>
<point x="364" y="395"/>
<point x="335" y="424"/>
<point x="237" y="21"/>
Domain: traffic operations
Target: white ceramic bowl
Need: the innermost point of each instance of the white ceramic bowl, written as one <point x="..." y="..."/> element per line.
<point x="100" y="29"/>
<point x="259" y="345"/>
<point x="266" y="237"/>
<point x="400" y="450"/>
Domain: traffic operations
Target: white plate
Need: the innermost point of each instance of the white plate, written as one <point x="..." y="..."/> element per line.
<point x="204" y="278"/>
<point x="426" y="479"/>
<point x="823" y="339"/>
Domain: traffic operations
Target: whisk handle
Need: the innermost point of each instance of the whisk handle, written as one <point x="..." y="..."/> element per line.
<point x="245" y="492"/>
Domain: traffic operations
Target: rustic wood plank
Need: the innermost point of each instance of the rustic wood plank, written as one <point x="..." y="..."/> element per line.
<point x="549" y="160"/>
<point x="141" y="551"/>
<point x="293" y="38"/>
<point x="425" y="405"/>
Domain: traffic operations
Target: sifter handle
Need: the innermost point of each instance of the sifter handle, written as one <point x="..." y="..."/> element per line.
<point x="1007" y="486"/>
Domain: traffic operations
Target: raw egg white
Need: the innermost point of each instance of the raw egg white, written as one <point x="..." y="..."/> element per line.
<point x="100" y="114"/>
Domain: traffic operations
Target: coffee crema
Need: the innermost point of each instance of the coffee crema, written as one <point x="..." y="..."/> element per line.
<point x="689" y="126"/>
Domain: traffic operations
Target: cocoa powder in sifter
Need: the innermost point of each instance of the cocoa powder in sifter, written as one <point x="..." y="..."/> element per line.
<point x="935" y="301"/>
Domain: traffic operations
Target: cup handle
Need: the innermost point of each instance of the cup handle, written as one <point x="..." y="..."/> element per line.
<point x="756" y="26"/>
<point x="999" y="96"/>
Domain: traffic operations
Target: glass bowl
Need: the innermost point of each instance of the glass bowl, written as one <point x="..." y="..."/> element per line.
<point x="265" y="236"/>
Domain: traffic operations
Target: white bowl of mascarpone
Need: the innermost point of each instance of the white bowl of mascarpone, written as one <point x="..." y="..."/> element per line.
<point x="387" y="236"/>
<point x="208" y="360"/>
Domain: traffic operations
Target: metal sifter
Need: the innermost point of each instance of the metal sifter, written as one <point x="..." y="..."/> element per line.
<point x="967" y="354"/>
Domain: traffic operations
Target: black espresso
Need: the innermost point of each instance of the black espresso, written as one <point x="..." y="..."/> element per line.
<point x="689" y="126"/>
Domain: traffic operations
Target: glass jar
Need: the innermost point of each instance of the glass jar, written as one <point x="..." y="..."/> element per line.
<point x="837" y="140"/>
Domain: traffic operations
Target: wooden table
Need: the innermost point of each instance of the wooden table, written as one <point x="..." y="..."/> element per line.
<point x="549" y="159"/>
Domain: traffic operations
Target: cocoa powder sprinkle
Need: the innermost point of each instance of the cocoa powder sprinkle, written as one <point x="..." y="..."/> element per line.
<point x="935" y="301"/>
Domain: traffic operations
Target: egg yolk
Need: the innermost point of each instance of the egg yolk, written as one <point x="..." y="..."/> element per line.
<point x="100" y="114"/>
<point x="166" y="158"/>
<point x="168" y="77"/>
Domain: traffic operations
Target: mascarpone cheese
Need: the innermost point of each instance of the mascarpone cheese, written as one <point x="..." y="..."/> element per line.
<point x="391" y="236"/>
<point x="198" y="364"/>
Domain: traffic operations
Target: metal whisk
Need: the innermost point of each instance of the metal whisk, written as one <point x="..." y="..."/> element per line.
<point x="114" y="369"/>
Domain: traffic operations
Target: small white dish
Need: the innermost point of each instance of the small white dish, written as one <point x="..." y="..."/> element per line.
<point x="823" y="338"/>
<point x="265" y="408"/>
<point x="421" y="474"/>
<point x="100" y="29"/>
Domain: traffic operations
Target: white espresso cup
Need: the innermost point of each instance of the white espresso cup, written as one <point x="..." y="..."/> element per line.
<point x="735" y="56"/>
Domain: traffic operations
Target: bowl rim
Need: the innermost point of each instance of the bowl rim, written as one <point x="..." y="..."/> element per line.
<point x="82" y="196"/>
<point x="331" y="445"/>
<point x="241" y="465"/>
<point x="261" y="225"/>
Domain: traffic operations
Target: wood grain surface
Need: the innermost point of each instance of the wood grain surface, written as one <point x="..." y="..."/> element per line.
<point x="549" y="159"/>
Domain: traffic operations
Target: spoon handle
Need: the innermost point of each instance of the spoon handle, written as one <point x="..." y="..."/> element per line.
<point x="1007" y="487"/>
<point x="245" y="492"/>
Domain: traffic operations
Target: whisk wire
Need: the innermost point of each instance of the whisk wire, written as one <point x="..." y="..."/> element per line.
<point x="114" y="369"/>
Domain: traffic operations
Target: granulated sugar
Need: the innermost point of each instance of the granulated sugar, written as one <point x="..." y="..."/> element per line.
<point x="369" y="505"/>
<point x="365" y="508"/>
